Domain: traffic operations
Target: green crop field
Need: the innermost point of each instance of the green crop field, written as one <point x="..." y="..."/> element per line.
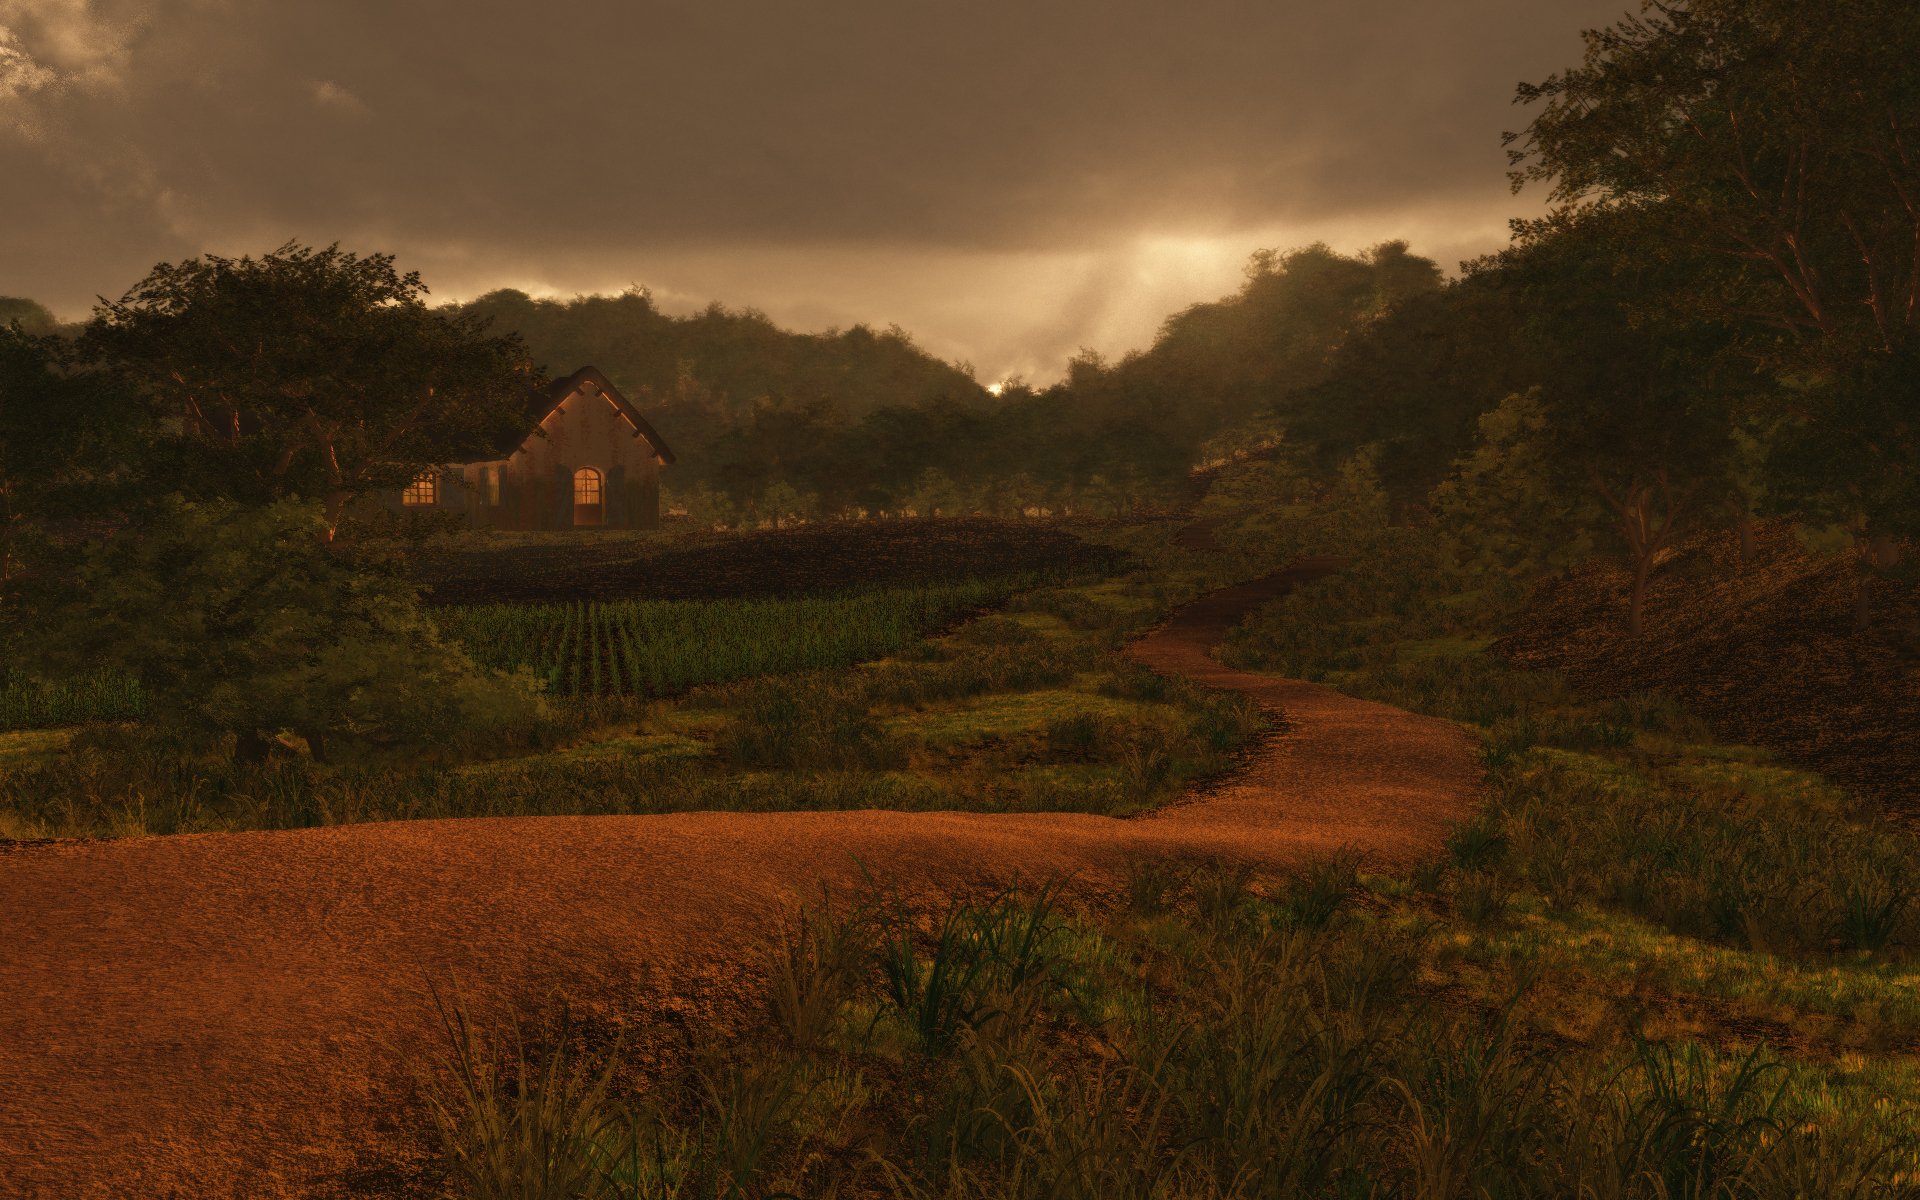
<point x="660" y="647"/>
<point x="104" y="696"/>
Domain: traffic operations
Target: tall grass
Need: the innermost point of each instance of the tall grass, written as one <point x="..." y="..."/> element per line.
<point x="1187" y="1060"/>
<point x="664" y="647"/>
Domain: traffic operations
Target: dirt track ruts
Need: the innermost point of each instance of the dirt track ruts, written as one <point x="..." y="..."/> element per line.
<point x="232" y="1015"/>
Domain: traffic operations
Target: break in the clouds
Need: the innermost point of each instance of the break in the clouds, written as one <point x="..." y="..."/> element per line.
<point x="1008" y="179"/>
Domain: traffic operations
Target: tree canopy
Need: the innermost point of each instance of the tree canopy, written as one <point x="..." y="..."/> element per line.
<point x="307" y="372"/>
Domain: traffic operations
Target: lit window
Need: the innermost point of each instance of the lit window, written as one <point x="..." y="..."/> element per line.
<point x="425" y="489"/>
<point x="586" y="486"/>
<point x="493" y="485"/>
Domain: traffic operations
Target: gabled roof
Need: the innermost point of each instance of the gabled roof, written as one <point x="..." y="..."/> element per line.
<point x="542" y="403"/>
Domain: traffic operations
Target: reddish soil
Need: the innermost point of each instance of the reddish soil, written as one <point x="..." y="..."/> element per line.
<point x="1768" y="653"/>
<point x="237" y="1015"/>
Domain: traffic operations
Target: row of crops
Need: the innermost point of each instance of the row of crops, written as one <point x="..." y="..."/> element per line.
<point x="104" y="696"/>
<point x="661" y="647"/>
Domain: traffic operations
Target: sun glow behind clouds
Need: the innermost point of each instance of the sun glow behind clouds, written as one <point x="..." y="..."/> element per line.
<point x="1012" y="314"/>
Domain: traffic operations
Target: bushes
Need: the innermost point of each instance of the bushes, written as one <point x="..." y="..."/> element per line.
<point x="817" y="722"/>
<point x="243" y="622"/>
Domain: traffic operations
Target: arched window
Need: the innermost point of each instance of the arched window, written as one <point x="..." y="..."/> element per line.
<point x="586" y="497"/>
<point x="425" y="489"/>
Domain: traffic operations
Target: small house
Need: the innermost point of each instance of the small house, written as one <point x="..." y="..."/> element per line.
<point x="585" y="459"/>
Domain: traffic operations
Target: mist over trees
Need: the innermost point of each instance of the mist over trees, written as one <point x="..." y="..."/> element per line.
<point x="771" y="424"/>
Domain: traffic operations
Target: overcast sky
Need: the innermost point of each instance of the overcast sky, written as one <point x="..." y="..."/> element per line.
<point x="1009" y="180"/>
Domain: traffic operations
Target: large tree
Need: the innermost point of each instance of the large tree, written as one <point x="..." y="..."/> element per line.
<point x="316" y="373"/>
<point x="1633" y="409"/>
<point x="65" y="435"/>
<point x="1781" y="138"/>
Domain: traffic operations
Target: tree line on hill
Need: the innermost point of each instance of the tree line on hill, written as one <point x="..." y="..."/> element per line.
<point x="770" y="424"/>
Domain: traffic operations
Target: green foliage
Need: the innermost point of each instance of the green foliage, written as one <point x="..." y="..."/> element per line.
<point x="806" y="723"/>
<point x="529" y="1129"/>
<point x="26" y="703"/>
<point x="241" y="621"/>
<point x="1668" y="126"/>
<point x="665" y="647"/>
<point x="984" y="961"/>
<point x="306" y="372"/>
<point x="1415" y="380"/>
<point x="67" y="434"/>
<point x="1505" y="502"/>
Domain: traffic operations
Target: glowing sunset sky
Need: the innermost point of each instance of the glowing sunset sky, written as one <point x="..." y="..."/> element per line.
<point x="1008" y="180"/>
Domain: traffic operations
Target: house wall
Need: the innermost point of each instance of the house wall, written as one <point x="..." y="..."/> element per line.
<point x="536" y="482"/>
<point x="585" y="430"/>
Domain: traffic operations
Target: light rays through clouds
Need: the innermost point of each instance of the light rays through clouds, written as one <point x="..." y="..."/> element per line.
<point x="1009" y="180"/>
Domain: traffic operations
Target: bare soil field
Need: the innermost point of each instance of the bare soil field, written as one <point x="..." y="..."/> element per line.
<point x="1768" y="654"/>
<point x="829" y="556"/>
<point x="238" y="1015"/>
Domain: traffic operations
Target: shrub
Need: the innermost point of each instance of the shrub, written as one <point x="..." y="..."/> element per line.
<point x="244" y="622"/>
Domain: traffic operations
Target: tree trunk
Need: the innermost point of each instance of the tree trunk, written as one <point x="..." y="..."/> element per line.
<point x="1881" y="552"/>
<point x="1637" y="600"/>
<point x="1743" y="531"/>
<point x="316" y="744"/>
<point x="336" y="506"/>
<point x="250" y="747"/>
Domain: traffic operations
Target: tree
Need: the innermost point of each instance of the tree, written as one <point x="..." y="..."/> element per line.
<point x="1779" y="134"/>
<point x="1415" y="380"/>
<point x="29" y="315"/>
<point x="1507" y="503"/>
<point x="240" y="621"/>
<point x="1781" y="139"/>
<point x="309" y="372"/>
<point x="64" y="431"/>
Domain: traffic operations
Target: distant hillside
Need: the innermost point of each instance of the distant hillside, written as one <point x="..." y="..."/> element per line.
<point x="30" y="315"/>
<point x="736" y="356"/>
<point x="769" y="422"/>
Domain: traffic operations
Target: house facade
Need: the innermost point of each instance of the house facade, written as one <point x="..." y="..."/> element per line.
<point x="587" y="461"/>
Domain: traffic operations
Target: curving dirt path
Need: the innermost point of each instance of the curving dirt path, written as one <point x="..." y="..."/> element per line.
<point x="233" y="1015"/>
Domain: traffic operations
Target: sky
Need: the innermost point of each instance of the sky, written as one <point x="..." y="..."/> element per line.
<point x="1008" y="180"/>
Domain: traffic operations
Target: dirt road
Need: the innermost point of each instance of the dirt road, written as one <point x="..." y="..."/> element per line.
<point x="233" y="1015"/>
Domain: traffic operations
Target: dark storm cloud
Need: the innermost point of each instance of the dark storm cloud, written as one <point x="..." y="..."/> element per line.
<point x="989" y="174"/>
